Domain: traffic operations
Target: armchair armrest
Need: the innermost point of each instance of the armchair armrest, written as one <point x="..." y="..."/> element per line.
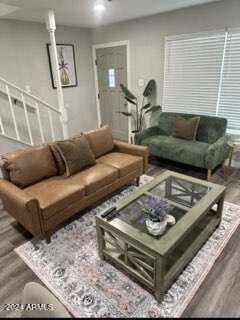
<point x="135" y="150"/>
<point x="139" y="137"/>
<point x="217" y="153"/>
<point x="21" y="206"/>
<point x="36" y="294"/>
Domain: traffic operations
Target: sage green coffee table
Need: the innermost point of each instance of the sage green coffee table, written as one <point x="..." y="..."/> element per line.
<point x="156" y="262"/>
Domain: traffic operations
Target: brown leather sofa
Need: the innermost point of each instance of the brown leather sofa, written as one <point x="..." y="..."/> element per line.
<point x="41" y="206"/>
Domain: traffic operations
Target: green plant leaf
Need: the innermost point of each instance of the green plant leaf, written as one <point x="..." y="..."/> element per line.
<point x="127" y="93"/>
<point x="153" y="109"/>
<point x="131" y="101"/>
<point x="127" y="114"/>
<point x="149" y="88"/>
<point x="148" y="105"/>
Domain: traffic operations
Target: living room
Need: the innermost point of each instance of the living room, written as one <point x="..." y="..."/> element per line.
<point x="120" y="155"/>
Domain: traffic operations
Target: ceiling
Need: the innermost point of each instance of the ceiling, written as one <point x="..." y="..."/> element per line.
<point x="80" y="13"/>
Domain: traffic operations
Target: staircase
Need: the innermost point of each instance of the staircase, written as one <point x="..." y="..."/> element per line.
<point x="26" y="119"/>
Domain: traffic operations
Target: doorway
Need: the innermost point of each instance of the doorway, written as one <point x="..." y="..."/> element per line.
<point x="111" y="69"/>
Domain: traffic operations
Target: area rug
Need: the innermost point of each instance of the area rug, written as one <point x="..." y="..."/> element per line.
<point x="88" y="287"/>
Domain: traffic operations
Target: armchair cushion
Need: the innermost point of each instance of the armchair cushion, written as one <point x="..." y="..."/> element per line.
<point x="125" y="163"/>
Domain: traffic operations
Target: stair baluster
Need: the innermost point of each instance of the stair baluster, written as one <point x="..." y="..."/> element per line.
<point x="12" y="112"/>
<point x="27" y="119"/>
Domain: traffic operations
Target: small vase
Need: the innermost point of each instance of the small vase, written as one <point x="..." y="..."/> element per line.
<point x="156" y="228"/>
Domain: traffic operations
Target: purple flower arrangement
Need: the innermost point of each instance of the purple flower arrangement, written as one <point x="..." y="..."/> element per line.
<point x="156" y="208"/>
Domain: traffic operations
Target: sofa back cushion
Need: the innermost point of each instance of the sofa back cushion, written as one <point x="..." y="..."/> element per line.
<point x="28" y="166"/>
<point x="100" y="141"/>
<point x="210" y="129"/>
<point x="76" y="154"/>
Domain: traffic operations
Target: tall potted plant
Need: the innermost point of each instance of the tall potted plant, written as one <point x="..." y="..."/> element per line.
<point x="140" y="110"/>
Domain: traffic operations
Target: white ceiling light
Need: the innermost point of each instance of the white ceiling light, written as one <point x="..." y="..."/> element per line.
<point x="99" y="7"/>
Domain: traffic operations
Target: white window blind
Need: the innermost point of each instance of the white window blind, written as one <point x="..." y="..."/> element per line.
<point x="192" y="74"/>
<point x="229" y="100"/>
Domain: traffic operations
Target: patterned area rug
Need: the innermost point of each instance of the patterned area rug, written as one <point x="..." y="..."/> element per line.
<point x="88" y="287"/>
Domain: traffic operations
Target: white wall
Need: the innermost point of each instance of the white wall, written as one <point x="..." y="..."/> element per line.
<point x="146" y="35"/>
<point x="23" y="55"/>
<point x="24" y="61"/>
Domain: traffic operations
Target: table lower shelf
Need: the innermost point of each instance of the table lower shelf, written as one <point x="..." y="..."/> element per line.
<point x="147" y="268"/>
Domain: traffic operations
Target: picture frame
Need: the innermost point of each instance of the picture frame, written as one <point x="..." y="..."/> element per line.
<point x="67" y="65"/>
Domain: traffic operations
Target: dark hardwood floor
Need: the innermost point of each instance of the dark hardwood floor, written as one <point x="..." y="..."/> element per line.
<point x="217" y="297"/>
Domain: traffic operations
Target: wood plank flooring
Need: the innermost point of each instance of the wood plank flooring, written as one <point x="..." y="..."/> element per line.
<point x="217" y="297"/>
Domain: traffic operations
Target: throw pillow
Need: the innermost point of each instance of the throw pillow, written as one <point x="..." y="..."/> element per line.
<point x="29" y="166"/>
<point x="58" y="159"/>
<point x="186" y="128"/>
<point x="76" y="154"/>
<point x="100" y="141"/>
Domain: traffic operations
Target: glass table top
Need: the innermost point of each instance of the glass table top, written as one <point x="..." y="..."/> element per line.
<point x="181" y="195"/>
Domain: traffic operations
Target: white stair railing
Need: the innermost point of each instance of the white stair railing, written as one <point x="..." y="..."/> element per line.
<point x="18" y="97"/>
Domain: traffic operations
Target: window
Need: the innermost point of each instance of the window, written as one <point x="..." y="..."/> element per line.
<point x="229" y="100"/>
<point x="202" y="75"/>
<point x="111" y="78"/>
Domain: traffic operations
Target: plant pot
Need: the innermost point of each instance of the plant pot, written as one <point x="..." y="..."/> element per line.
<point x="156" y="228"/>
<point x="134" y="132"/>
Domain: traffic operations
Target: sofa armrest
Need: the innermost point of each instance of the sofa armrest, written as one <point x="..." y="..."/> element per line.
<point x="35" y="294"/>
<point x="217" y="153"/>
<point x="21" y="206"/>
<point x="133" y="149"/>
<point x="152" y="131"/>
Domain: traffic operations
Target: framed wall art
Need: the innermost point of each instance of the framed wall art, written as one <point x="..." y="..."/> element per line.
<point x="66" y="63"/>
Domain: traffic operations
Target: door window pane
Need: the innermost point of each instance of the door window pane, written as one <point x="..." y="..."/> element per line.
<point x="111" y="78"/>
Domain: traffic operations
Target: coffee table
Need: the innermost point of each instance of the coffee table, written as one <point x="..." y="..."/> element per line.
<point x="156" y="262"/>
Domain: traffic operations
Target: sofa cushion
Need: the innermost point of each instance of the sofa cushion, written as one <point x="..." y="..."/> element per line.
<point x="186" y="128"/>
<point x="76" y="154"/>
<point x="100" y="140"/>
<point x="30" y="165"/>
<point x="125" y="163"/>
<point x="96" y="177"/>
<point x="56" y="193"/>
<point x="179" y="150"/>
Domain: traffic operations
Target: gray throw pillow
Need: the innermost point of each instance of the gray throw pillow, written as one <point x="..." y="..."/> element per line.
<point x="76" y="154"/>
<point x="186" y="128"/>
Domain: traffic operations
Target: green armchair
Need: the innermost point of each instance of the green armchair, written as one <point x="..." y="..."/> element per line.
<point x="208" y="151"/>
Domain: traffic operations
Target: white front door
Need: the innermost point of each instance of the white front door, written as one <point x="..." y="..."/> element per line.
<point x="112" y="71"/>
